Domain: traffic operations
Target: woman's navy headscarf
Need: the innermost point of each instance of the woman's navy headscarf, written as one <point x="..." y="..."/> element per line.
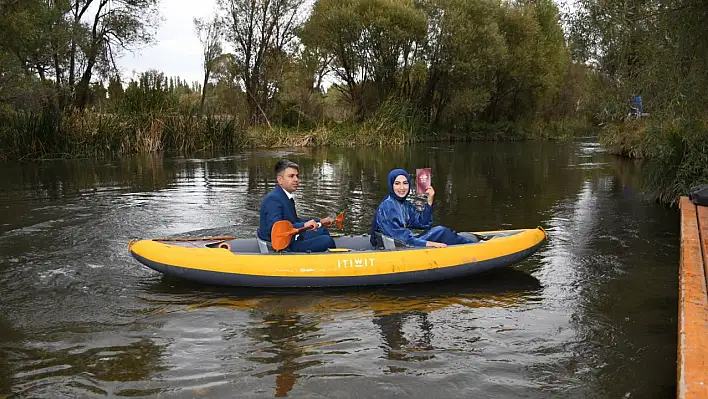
<point x="391" y="179"/>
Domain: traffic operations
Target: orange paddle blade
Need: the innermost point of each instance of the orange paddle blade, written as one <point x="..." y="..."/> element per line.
<point x="339" y="220"/>
<point x="281" y="234"/>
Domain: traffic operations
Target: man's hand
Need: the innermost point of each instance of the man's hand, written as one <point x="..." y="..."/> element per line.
<point x="430" y="192"/>
<point x="311" y="223"/>
<point x="327" y="222"/>
<point x="435" y="244"/>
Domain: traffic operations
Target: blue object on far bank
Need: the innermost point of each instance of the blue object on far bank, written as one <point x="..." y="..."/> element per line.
<point x="637" y="105"/>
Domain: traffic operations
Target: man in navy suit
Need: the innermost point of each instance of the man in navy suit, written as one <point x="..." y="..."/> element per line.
<point x="280" y="205"/>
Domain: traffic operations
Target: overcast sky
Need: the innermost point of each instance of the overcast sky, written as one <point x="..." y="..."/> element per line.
<point x="177" y="51"/>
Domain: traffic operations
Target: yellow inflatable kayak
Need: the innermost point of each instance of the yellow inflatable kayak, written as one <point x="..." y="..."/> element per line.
<point x="355" y="262"/>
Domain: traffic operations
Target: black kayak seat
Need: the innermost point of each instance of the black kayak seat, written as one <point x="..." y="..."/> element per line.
<point x="264" y="246"/>
<point x="387" y="242"/>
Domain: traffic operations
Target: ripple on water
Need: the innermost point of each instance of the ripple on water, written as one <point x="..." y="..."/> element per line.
<point x="581" y="318"/>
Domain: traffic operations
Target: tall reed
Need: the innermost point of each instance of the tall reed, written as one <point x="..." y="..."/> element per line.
<point x="138" y="127"/>
<point x="47" y="134"/>
<point x="677" y="157"/>
<point x="625" y="138"/>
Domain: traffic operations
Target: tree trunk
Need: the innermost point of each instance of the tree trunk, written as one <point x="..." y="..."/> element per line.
<point x="442" y="102"/>
<point x="204" y="91"/>
<point x="72" y="51"/>
<point x="426" y="103"/>
<point x="58" y="92"/>
<point x="82" y="86"/>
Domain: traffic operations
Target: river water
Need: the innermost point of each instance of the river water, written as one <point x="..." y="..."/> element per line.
<point x="592" y="314"/>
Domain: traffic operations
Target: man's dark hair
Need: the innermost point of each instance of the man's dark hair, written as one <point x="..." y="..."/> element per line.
<point x="284" y="164"/>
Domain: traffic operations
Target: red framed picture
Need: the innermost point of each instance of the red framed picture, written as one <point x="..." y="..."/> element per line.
<point x="422" y="180"/>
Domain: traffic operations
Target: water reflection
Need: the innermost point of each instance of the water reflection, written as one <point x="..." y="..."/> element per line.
<point x="600" y="304"/>
<point x="285" y="335"/>
<point x="295" y="333"/>
<point x="607" y="265"/>
<point x="396" y="345"/>
<point x="9" y="339"/>
<point x="506" y="288"/>
<point x="46" y="360"/>
<point x="493" y="178"/>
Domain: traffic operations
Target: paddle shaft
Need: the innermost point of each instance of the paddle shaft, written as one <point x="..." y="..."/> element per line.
<point x="282" y="231"/>
<point x="305" y="228"/>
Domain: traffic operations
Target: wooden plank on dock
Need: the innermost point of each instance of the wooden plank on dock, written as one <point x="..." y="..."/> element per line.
<point x="693" y="303"/>
<point x="703" y="230"/>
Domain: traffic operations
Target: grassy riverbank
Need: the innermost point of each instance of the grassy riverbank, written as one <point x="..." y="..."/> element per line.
<point x="90" y="134"/>
<point x="674" y="152"/>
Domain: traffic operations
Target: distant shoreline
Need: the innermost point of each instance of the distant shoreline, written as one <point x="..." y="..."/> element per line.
<point x="90" y="134"/>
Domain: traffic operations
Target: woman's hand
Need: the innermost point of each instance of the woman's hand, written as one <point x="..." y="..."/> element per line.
<point x="430" y="192"/>
<point x="435" y="244"/>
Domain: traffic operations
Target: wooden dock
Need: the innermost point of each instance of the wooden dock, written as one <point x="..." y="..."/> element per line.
<point x="692" y="370"/>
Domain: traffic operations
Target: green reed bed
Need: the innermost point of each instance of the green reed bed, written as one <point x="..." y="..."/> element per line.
<point x="46" y="134"/>
<point x="677" y="157"/>
<point x="625" y="138"/>
<point x="91" y="134"/>
<point x="674" y="151"/>
<point x="522" y="130"/>
<point x="392" y="124"/>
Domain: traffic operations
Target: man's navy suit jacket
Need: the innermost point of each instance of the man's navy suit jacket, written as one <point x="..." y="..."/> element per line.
<point x="276" y="206"/>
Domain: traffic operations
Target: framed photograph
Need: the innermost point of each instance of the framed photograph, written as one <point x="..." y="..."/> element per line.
<point x="422" y="180"/>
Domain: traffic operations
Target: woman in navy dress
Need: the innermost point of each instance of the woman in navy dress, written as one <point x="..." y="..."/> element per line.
<point x="395" y="216"/>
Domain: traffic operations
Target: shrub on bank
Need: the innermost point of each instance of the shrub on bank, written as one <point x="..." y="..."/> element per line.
<point x="565" y="129"/>
<point x="624" y="138"/>
<point x="677" y="157"/>
<point x="675" y="152"/>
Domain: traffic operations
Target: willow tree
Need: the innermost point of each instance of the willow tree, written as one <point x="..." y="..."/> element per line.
<point x="260" y="32"/>
<point x="533" y="65"/>
<point x="209" y="33"/>
<point x="370" y="41"/>
<point x="113" y="26"/>
<point x="33" y="50"/>
<point x="657" y="49"/>
<point x="461" y="52"/>
<point x="67" y="42"/>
